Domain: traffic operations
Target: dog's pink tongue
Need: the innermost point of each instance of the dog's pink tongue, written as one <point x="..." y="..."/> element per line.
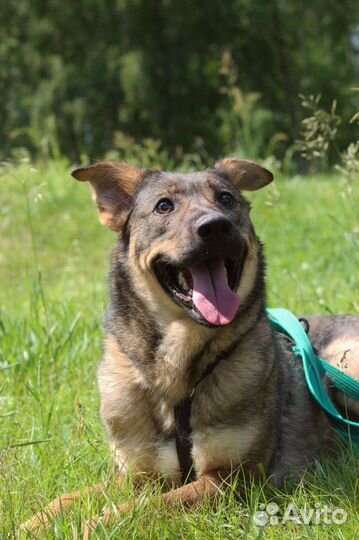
<point x="212" y="295"/>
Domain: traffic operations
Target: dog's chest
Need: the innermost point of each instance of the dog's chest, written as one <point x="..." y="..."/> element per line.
<point x="213" y="447"/>
<point x="141" y="423"/>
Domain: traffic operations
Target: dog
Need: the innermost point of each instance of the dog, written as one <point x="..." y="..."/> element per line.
<point x="194" y="382"/>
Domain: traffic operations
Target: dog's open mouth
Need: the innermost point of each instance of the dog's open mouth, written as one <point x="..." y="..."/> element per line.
<point x="207" y="289"/>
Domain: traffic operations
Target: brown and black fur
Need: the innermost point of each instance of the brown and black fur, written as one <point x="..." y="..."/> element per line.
<point x="254" y="411"/>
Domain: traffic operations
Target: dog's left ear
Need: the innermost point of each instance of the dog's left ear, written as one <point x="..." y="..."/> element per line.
<point x="244" y="174"/>
<point x="113" y="185"/>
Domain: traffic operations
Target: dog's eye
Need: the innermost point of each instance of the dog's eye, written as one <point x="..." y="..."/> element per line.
<point x="226" y="199"/>
<point x="164" y="206"/>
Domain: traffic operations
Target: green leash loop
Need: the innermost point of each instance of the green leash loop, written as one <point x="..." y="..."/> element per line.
<point x="314" y="369"/>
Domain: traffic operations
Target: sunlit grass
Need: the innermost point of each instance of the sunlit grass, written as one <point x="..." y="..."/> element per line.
<point x="53" y="266"/>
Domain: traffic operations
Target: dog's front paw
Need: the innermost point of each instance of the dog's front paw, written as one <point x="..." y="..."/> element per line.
<point x="109" y="516"/>
<point x="38" y="524"/>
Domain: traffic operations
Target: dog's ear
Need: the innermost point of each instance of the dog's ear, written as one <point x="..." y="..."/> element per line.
<point x="113" y="186"/>
<point x="244" y="174"/>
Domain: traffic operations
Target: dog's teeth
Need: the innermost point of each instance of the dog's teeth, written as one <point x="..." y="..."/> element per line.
<point x="182" y="281"/>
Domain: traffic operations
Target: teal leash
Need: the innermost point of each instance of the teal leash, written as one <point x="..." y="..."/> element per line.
<point x="315" y="368"/>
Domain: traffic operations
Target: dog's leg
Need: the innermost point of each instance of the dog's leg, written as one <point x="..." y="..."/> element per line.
<point x="209" y="485"/>
<point x="42" y="520"/>
<point x="343" y="353"/>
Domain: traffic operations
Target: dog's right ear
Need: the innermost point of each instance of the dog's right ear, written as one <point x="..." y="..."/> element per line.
<point x="113" y="186"/>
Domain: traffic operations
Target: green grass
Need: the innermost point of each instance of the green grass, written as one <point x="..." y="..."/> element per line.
<point x="53" y="265"/>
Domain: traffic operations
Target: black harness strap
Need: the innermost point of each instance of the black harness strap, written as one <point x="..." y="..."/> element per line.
<point x="182" y="413"/>
<point x="183" y="439"/>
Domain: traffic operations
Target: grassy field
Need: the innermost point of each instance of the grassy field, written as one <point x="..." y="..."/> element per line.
<point x="53" y="264"/>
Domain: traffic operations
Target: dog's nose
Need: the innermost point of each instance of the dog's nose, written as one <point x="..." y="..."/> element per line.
<point x="211" y="228"/>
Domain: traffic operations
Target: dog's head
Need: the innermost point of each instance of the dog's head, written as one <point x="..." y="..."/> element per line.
<point x="187" y="235"/>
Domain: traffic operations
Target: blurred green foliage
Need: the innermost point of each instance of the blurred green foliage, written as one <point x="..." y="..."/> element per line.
<point x="84" y="78"/>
